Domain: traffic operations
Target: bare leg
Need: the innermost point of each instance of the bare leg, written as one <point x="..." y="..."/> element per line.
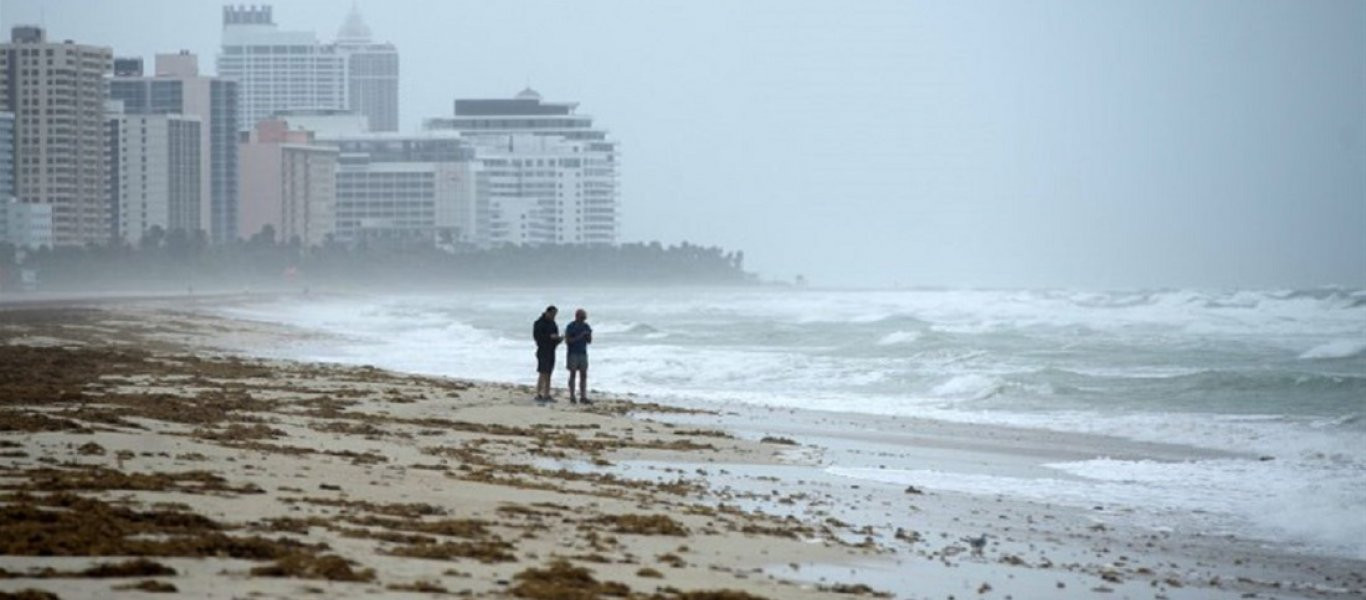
<point x="543" y="385"/>
<point x="583" y="383"/>
<point x="572" y="372"/>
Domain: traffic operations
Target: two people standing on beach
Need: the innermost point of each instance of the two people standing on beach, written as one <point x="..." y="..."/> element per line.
<point x="577" y="336"/>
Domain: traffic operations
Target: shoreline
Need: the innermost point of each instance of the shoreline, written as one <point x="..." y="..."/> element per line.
<point x="761" y="517"/>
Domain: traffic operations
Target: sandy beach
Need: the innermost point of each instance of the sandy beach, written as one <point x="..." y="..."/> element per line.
<point x="145" y="451"/>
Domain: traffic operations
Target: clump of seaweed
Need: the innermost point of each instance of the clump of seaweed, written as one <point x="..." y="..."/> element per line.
<point x="465" y="528"/>
<point x="309" y="566"/>
<point x="563" y="581"/>
<point x="716" y="433"/>
<point x="426" y="587"/>
<point x="101" y="478"/>
<point x="673" y="560"/>
<point x="29" y="594"/>
<point x="41" y="376"/>
<point x="64" y="524"/>
<point x="138" y="567"/>
<point x="407" y="510"/>
<point x="31" y="422"/>
<point x="149" y="585"/>
<point x="674" y="594"/>
<point x="643" y="524"/>
<point x="294" y="525"/>
<point x="857" y="589"/>
<point x="485" y="551"/>
<point x="236" y="432"/>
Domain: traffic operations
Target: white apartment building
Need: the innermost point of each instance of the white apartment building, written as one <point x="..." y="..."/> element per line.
<point x="533" y="189"/>
<point x="56" y="91"/>
<point x="157" y="171"/>
<point x="394" y="188"/>
<point x="551" y="177"/>
<point x="371" y="74"/>
<point x="178" y="88"/>
<point x="278" y="70"/>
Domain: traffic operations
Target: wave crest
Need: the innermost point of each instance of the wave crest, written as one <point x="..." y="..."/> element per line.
<point x="1336" y="349"/>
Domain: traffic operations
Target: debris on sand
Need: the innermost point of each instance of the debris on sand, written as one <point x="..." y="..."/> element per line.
<point x="562" y="581"/>
<point x="485" y="551"/>
<point x="29" y="594"/>
<point x="149" y="585"/>
<point x="307" y="566"/>
<point x="138" y="567"/>
<point x="643" y="524"/>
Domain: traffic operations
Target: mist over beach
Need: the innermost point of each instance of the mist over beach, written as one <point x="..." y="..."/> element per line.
<point x="886" y="299"/>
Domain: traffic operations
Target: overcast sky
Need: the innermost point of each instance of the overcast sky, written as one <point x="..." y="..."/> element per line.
<point x="1075" y="143"/>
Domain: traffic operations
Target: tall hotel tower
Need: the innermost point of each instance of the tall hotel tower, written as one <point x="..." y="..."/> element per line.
<point x="371" y="74"/>
<point x="178" y="88"/>
<point x="278" y="70"/>
<point x="61" y="141"/>
<point x="291" y="70"/>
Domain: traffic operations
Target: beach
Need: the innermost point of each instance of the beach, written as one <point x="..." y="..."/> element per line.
<point x="155" y="445"/>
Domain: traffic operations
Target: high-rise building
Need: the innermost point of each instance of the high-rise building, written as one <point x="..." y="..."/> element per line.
<point x="6" y="171"/>
<point x="371" y="74"/>
<point x="278" y="70"/>
<point x="6" y="156"/>
<point x="551" y="176"/>
<point x="288" y="183"/>
<point x="394" y="188"/>
<point x="156" y="173"/>
<point x="57" y="92"/>
<point x="178" y="88"/>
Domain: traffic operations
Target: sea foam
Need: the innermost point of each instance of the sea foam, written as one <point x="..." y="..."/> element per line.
<point x="1336" y="349"/>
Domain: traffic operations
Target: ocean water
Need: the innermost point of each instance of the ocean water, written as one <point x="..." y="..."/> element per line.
<point x="1276" y="373"/>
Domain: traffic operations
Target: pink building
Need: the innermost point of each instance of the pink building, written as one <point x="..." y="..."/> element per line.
<point x="287" y="182"/>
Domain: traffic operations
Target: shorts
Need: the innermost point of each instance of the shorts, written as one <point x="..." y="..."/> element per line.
<point x="545" y="360"/>
<point x="576" y="361"/>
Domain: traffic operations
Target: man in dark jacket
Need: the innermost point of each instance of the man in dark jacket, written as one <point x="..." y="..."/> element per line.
<point x="547" y="336"/>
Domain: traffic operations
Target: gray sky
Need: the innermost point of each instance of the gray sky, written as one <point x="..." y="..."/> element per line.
<point x="1072" y="143"/>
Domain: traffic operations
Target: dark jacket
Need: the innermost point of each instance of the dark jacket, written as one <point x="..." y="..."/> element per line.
<point x="544" y="331"/>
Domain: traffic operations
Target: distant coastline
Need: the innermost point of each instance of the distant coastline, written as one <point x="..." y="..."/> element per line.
<point x="182" y="265"/>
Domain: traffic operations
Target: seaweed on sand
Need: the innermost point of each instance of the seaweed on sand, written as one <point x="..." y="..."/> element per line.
<point x="562" y="581"/>
<point x="29" y="594"/>
<point x="64" y="524"/>
<point x="643" y="524"/>
<point x="309" y="566"/>
<point x="94" y="478"/>
<point x="138" y="567"/>
<point x="485" y="551"/>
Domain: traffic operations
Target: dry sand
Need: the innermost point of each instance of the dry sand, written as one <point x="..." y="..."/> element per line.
<point x="142" y="449"/>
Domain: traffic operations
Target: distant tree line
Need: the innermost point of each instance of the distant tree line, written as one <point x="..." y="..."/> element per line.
<point x="179" y="261"/>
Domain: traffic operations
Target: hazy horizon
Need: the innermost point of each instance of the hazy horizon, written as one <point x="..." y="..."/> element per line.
<point x="979" y="144"/>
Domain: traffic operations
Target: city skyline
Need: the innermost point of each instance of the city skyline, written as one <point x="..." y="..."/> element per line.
<point x="294" y="100"/>
<point x="1136" y="144"/>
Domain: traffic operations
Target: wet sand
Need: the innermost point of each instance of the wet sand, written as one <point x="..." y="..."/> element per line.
<point x="143" y="451"/>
